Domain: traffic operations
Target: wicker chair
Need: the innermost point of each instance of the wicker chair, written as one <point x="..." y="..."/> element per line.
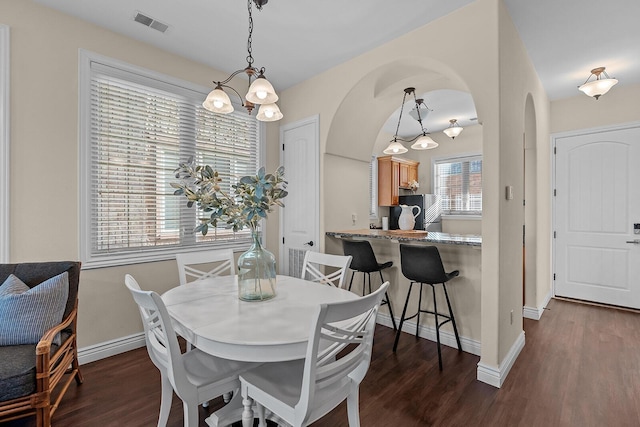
<point x="33" y="378"/>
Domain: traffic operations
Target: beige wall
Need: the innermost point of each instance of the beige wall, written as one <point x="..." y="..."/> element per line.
<point x="517" y="80"/>
<point x="348" y="132"/>
<point x="44" y="155"/>
<point x="620" y="105"/>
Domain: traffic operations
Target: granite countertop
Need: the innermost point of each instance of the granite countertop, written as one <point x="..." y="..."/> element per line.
<point x="411" y="236"/>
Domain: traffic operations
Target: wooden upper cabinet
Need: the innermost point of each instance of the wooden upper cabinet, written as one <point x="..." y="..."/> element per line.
<point x="394" y="173"/>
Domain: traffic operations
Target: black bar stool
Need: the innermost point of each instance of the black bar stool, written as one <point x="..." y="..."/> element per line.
<point x="364" y="261"/>
<point x="423" y="265"/>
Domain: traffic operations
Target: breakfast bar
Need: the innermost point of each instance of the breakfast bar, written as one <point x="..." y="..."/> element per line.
<point x="458" y="252"/>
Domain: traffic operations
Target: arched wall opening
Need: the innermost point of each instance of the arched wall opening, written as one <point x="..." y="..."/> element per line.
<point x="351" y="137"/>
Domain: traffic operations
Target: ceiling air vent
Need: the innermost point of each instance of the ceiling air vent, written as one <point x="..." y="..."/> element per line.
<point x="150" y="22"/>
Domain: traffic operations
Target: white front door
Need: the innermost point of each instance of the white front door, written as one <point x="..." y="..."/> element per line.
<point x="300" y="149"/>
<point x="597" y="204"/>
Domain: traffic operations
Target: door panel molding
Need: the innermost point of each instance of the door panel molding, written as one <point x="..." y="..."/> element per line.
<point x="310" y="153"/>
<point x="593" y="212"/>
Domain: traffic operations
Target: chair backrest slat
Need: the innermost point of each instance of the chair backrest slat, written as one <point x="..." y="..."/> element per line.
<point x="162" y="343"/>
<point x="345" y="330"/>
<point x="205" y="264"/>
<point x="313" y="261"/>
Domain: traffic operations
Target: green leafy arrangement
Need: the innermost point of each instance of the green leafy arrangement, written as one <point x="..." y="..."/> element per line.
<point x="251" y="199"/>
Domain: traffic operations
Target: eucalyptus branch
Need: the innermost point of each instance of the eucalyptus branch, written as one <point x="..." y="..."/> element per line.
<point x="252" y="199"/>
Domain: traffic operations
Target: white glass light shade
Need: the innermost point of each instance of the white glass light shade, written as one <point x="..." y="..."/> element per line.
<point x="424" y="143"/>
<point x="261" y="92"/>
<point x="453" y="131"/>
<point x="269" y="113"/>
<point x="599" y="87"/>
<point x="395" y="148"/>
<point x="218" y="102"/>
<point x="423" y="113"/>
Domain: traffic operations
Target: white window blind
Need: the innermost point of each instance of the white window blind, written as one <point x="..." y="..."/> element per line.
<point x="140" y="129"/>
<point x="458" y="182"/>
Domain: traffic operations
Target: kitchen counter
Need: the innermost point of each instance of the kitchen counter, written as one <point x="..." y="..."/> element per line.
<point x="411" y="236"/>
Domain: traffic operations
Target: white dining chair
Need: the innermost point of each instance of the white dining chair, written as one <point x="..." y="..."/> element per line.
<point x="200" y="265"/>
<point x="204" y="264"/>
<point x="303" y="391"/>
<point x="313" y="261"/>
<point x="195" y="376"/>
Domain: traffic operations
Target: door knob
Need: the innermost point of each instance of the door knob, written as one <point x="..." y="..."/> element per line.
<point x="309" y="243"/>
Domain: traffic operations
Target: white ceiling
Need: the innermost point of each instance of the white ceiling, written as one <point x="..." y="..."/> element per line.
<point x="295" y="40"/>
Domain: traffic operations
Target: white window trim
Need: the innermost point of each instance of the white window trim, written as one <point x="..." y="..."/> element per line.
<point x="374" y="190"/>
<point x="90" y="261"/>
<point x="5" y="134"/>
<point x="453" y="158"/>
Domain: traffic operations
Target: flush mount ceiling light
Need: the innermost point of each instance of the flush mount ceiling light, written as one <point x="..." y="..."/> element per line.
<point x="454" y="129"/>
<point x="260" y="90"/>
<point x="420" y="111"/>
<point x="423" y="140"/>
<point x="599" y="86"/>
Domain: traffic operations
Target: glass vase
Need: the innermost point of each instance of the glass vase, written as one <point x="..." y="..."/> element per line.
<point x="256" y="272"/>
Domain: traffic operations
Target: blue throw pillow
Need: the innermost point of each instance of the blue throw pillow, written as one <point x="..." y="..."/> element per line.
<point x="27" y="313"/>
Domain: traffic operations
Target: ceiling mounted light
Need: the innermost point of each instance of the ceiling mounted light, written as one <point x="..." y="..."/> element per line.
<point x="260" y="91"/>
<point x="599" y="86"/>
<point x="423" y="140"/>
<point x="454" y="129"/>
<point x="420" y="111"/>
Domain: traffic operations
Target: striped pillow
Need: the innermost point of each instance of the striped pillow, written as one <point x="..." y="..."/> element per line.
<point x="27" y="313"/>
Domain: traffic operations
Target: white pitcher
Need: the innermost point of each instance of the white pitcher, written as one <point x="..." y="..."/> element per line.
<point x="407" y="219"/>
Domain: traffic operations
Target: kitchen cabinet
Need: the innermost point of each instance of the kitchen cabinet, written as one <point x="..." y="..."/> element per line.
<point x="394" y="173"/>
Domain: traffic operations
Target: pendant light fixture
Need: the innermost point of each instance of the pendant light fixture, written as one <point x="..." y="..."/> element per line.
<point x="423" y="141"/>
<point x="600" y="85"/>
<point x="454" y="129"/>
<point x="260" y="91"/>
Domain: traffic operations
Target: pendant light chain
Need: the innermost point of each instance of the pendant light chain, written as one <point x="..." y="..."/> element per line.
<point x="249" y="39"/>
<point x="404" y="98"/>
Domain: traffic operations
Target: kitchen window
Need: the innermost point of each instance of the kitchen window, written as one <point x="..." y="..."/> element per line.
<point x="137" y="126"/>
<point x="458" y="182"/>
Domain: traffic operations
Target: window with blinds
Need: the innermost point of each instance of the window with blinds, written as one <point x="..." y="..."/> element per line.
<point x="458" y="182"/>
<point x="140" y="126"/>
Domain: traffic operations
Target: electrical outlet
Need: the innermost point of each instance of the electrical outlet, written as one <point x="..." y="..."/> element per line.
<point x="354" y="218"/>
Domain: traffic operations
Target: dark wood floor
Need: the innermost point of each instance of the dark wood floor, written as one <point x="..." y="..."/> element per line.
<point x="580" y="367"/>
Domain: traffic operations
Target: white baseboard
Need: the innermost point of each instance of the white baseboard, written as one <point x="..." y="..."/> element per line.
<point x="429" y="332"/>
<point x="110" y="348"/>
<point x="496" y="376"/>
<point x="535" y="313"/>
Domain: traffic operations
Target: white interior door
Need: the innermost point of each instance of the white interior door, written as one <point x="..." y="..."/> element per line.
<point x="597" y="254"/>
<point x="300" y="150"/>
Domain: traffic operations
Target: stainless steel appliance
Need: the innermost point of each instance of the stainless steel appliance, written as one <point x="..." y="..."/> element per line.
<point x="430" y="217"/>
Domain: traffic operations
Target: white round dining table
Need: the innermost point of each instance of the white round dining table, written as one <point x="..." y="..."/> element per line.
<point x="209" y="314"/>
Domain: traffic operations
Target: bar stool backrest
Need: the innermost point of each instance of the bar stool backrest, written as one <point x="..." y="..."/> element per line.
<point x="363" y="257"/>
<point x="422" y="264"/>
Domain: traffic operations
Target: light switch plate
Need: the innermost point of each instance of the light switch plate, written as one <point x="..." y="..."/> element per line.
<point x="508" y="193"/>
